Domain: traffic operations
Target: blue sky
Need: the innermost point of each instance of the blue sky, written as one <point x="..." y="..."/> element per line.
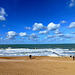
<point x="37" y="21"/>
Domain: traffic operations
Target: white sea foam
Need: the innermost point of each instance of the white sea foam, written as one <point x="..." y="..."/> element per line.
<point x="36" y="52"/>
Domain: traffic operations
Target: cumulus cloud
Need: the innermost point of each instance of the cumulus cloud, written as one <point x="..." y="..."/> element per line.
<point x="22" y="34"/>
<point x="27" y="28"/>
<point x="38" y="26"/>
<point x="33" y="36"/>
<point x="72" y="25"/>
<point x="11" y="35"/>
<point x="57" y="32"/>
<point x="44" y="32"/>
<point x="63" y="22"/>
<point x="51" y="26"/>
<point x="2" y="14"/>
<point x="72" y="3"/>
<point x="2" y="18"/>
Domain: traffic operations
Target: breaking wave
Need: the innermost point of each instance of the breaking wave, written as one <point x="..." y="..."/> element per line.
<point x="36" y="52"/>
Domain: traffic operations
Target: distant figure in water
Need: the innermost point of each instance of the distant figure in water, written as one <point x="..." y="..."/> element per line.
<point x="30" y="56"/>
<point x="73" y="57"/>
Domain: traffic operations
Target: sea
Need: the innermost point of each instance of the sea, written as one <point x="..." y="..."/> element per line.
<point x="37" y="50"/>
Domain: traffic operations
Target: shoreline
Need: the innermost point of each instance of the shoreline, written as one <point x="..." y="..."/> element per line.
<point x="36" y="57"/>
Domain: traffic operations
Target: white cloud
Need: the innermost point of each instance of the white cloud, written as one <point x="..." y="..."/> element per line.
<point x="63" y="22"/>
<point x="60" y="35"/>
<point x="61" y="39"/>
<point x="33" y="36"/>
<point x="27" y="28"/>
<point x="38" y="26"/>
<point x="22" y="34"/>
<point x="11" y="35"/>
<point x="1" y="38"/>
<point x="73" y="32"/>
<point x="57" y="32"/>
<point x="72" y="25"/>
<point x="51" y="26"/>
<point x="65" y="35"/>
<point x="44" y="32"/>
<point x="2" y="18"/>
<point x="72" y="3"/>
<point x="2" y="14"/>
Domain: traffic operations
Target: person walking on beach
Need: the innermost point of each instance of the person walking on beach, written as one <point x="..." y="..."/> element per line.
<point x="73" y="57"/>
<point x="30" y="56"/>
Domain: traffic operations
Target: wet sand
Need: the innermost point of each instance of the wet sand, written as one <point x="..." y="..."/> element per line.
<point x="38" y="65"/>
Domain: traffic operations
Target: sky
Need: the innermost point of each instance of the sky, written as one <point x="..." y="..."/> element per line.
<point x="37" y="21"/>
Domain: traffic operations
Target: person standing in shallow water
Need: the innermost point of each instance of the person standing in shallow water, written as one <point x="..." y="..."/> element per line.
<point x="30" y="56"/>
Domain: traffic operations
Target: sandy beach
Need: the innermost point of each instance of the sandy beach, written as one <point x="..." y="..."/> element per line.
<point x="38" y="65"/>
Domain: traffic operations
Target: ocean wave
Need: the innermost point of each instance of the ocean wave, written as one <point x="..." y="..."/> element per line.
<point x="36" y="52"/>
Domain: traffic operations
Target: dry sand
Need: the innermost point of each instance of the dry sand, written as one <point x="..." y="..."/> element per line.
<point x="37" y="66"/>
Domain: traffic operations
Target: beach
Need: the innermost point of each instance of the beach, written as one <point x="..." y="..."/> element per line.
<point x="38" y="65"/>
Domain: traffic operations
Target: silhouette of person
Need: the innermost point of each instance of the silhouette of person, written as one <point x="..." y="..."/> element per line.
<point x="30" y="56"/>
<point x="70" y="56"/>
<point x="73" y="57"/>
